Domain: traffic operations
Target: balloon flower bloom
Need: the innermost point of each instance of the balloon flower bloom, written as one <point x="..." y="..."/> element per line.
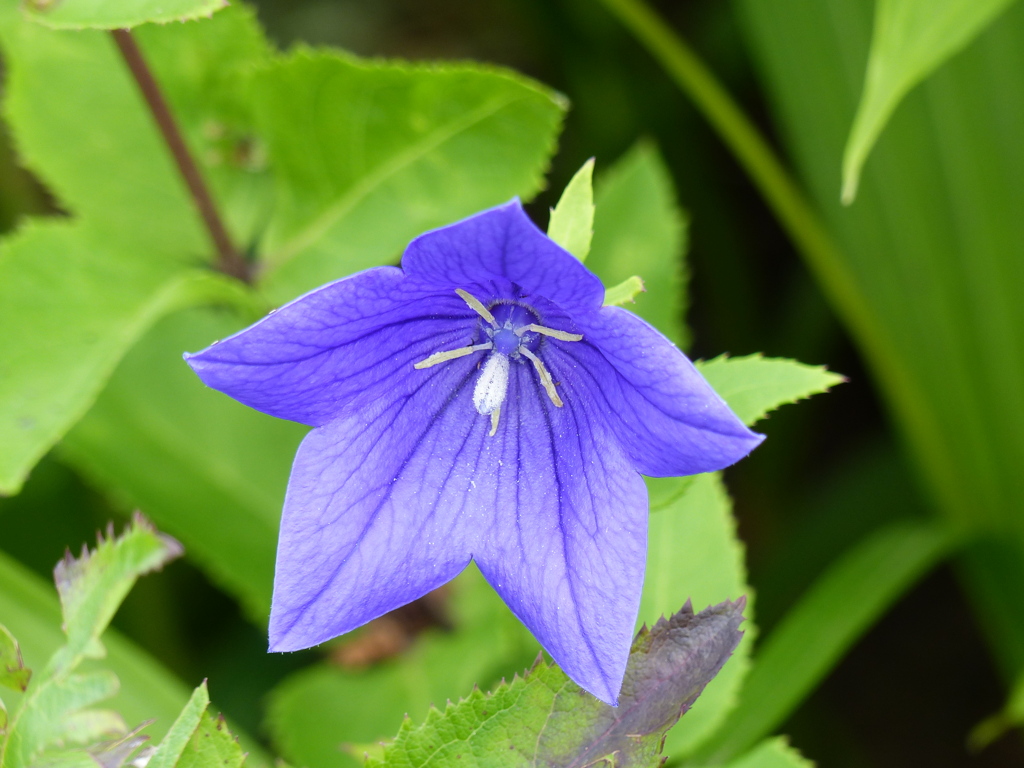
<point x="477" y="404"/>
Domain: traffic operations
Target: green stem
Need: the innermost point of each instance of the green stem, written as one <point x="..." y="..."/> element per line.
<point x="801" y="222"/>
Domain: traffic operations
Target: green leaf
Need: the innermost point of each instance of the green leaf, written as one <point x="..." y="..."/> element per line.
<point x="368" y="155"/>
<point x="624" y="292"/>
<point x="544" y="718"/>
<point x="931" y="244"/>
<point x="30" y="609"/>
<point x="93" y="586"/>
<point x="995" y="726"/>
<point x="911" y="39"/>
<point x="693" y="554"/>
<point x="572" y="220"/>
<point x="207" y="469"/>
<point x="754" y="385"/>
<point x="197" y="740"/>
<point x="85" y="291"/>
<point x="55" y="710"/>
<point x="313" y="711"/>
<point x="212" y="746"/>
<point x="147" y="691"/>
<point x="814" y="635"/>
<point x="772" y="753"/>
<point x="117" y="14"/>
<point x="640" y="230"/>
<point x="13" y="672"/>
<point x="180" y="734"/>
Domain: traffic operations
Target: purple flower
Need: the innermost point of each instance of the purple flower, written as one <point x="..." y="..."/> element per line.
<point x="477" y="404"/>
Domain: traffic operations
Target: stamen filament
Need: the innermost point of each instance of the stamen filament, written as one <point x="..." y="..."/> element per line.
<point x="545" y="377"/>
<point x="495" y="414"/>
<point x="555" y="334"/>
<point x="451" y="354"/>
<point x="477" y="306"/>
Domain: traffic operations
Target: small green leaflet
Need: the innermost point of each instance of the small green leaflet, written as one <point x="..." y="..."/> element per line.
<point x="198" y="740"/>
<point x="572" y="220"/>
<point x="117" y="14"/>
<point x="639" y="229"/>
<point x="13" y="673"/>
<point x="625" y="292"/>
<point x="57" y="706"/>
<point x="545" y="719"/>
<point x="911" y="39"/>
<point x="754" y="385"/>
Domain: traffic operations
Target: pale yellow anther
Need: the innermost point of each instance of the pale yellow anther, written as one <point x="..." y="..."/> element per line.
<point x="477" y="306"/>
<point x="451" y="354"/>
<point x="495" y="415"/>
<point x="545" y="377"/>
<point x="555" y="334"/>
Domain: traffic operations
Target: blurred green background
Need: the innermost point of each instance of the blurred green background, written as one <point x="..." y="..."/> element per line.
<point x="943" y="658"/>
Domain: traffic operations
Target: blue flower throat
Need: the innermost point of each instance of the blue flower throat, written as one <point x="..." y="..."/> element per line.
<point x="512" y="334"/>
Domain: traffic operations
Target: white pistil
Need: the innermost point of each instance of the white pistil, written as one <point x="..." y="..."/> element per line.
<point x="555" y="334"/>
<point x="451" y="354"/>
<point x="477" y="306"/>
<point x="545" y="377"/>
<point x="492" y="385"/>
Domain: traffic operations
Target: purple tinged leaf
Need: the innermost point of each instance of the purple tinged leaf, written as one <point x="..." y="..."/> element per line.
<point x="544" y="719"/>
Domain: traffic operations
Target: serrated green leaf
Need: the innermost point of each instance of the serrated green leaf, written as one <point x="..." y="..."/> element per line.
<point x="624" y="292"/>
<point x="315" y="710"/>
<point x="13" y="672"/>
<point x="206" y="469"/>
<point x="117" y="14"/>
<point x="911" y="39"/>
<point x="545" y="719"/>
<point x="572" y="219"/>
<point x="640" y="230"/>
<point x="212" y="746"/>
<point x="147" y="691"/>
<point x="84" y="291"/>
<point x="92" y="586"/>
<point x="30" y="608"/>
<point x="772" y="753"/>
<point x="755" y="385"/>
<point x="368" y="155"/>
<point x="173" y="746"/>
<point x="693" y="554"/>
<point x="813" y="636"/>
<point x="55" y="710"/>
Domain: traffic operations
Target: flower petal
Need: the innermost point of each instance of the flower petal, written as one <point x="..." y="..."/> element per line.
<point x="503" y="243"/>
<point x="569" y="540"/>
<point x="337" y="347"/>
<point x="667" y="417"/>
<point x="379" y="507"/>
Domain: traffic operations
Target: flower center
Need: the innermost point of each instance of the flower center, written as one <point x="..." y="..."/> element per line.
<point x="513" y="333"/>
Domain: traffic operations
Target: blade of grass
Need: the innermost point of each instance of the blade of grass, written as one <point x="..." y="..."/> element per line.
<point x="836" y="610"/>
<point x="802" y="223"/>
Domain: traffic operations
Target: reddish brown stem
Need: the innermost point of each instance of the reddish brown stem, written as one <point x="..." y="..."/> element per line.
<point x="229" y="260"/>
